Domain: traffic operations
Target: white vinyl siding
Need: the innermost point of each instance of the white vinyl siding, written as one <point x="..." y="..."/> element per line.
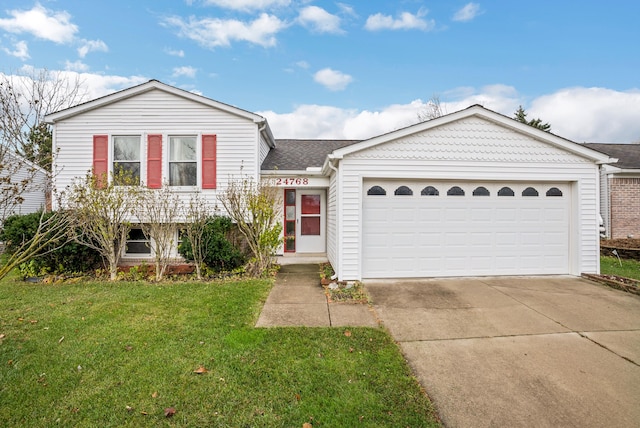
<point x="34" y="196"/>
<point x="332" y="231"/>
<point x="471" y="149"/>
<point x="264" y="150"/>
<point x="158" y="112"/>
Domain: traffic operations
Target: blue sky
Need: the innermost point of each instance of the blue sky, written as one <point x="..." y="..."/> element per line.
<point x="347" y="69"/>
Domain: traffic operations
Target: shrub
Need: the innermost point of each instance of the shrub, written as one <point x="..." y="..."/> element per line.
<point x="219" y="253"/>
<point x="70" y="257"/>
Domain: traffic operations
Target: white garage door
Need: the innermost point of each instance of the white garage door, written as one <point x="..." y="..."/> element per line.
<point x="430" y="229"/>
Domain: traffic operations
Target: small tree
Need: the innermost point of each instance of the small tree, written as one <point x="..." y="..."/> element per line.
<point x="432" y="109"/>
<point x="60" y="256"/>
<point x="521" y="116"/>
<point x="102" y="212"/>
<point x="254" y="208"/>
<point x="25" y="140"/>
<point x="50" y="234"/>
<point x="158" y="211"/>
<point x="196" y="216"/>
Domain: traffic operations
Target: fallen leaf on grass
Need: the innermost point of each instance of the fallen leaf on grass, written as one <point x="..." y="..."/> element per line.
<point x="298" y="398"/>
<point x="61" y="339"/>
<point x="155" y="394"/>
<point x="33" y="321"/>
<point x="347" y="333"/>
<point x="200" y="370"/>
<point x="144" y="413"/>
<point x="350" y="349"/>
<point x="307" y="425"/>
<point x="169" y="411"/>
<point x="129" y="409"/>
<point x="2" y="336"/>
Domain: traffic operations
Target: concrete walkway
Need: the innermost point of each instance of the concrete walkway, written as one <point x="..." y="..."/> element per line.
<point x="298" y="300"/>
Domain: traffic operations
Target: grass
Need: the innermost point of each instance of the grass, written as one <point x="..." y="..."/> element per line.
<point x="118" y="354"/>
<point x="611" y="266"/>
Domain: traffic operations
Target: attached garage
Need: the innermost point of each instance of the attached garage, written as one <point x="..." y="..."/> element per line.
<point x="429" y="228"/>
<point x="472" y="193"/>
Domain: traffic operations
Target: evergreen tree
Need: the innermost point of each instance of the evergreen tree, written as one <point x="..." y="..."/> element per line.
<point x="521" y="116"/>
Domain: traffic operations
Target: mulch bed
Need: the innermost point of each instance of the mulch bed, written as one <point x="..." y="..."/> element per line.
<point x="619" y="282"/>
<point x="626" y="248"/>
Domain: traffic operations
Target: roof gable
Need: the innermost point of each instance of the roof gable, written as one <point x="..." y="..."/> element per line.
<point x="143" y="88"/>
<point x="480" y="112"/>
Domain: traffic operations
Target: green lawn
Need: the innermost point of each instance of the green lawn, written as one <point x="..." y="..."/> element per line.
<point x="102" y="354"/>
<point x="611" y="266"/>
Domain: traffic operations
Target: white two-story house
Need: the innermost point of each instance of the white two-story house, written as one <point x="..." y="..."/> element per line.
<point x="470" y="193"/>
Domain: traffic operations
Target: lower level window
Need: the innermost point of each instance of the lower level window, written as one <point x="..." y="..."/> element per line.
<point x="137" y="243"/>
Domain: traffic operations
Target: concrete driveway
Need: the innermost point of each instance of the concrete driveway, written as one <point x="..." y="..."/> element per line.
<point x="519" y="351"/>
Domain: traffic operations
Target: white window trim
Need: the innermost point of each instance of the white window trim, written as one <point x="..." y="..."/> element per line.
<point x="143" y="152"/>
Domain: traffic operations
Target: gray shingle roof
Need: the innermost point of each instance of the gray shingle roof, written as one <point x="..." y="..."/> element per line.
<point x="628" y="154"/>
<point x="297" y="155"/>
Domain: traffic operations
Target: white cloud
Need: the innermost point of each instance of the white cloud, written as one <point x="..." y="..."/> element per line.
<point x="248" y="5"/>
<point x="75" y="66"/>
<point x="174" y="52"/>
<point x="214" y="32"/>
<point x="91" y="46"/>
<point x="186" y="71"/>
<point x="319" y="20"/>
<point x="406" y="21"/>
<point x="302" y="64"/>
<point x="579" y="114"/>
<point x="21" y="50"/>
<point x="597" y="115"/>
<point x="98" y="85"/>
<point x="42" y="23"/>
<point x="332" y="79"/>
<point x="347" y="9"/>
<point x="467" y="13"/>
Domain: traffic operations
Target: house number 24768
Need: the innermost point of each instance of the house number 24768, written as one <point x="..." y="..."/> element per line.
<point x="292" y="181"/>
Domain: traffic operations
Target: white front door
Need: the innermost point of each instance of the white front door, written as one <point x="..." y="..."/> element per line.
<point x="310" y="221"/>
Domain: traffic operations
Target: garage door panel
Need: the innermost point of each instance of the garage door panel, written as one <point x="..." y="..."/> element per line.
<point x="417" y="236"/>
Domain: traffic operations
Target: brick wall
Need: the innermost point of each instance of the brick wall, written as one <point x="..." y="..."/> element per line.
<point x="625" y="207"/>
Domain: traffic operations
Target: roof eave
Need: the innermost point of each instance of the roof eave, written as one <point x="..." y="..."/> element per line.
<point x="296" y="172"/>
<point x="479" y="111"/>
<point x="52" y="118"/>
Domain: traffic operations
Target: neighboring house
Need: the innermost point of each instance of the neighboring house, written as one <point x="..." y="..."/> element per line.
<point x="620" y="190"/>
<point x="470" y="193"/>
<point x="23" y="185"/>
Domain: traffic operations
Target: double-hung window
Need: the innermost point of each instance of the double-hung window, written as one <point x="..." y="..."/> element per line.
<point x="126" y="159"/>
<point x="183" y="161"/>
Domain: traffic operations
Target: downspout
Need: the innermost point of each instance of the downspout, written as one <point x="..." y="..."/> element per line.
<point x="338" y="231"/>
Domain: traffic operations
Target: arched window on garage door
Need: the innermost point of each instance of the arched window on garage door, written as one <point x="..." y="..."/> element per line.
<point x="506" y="191"/>
<point x="430" y="191"/>
<point x="455" y="191"/>
<point x="403" y="191"/>
<point x="529" y="191"/>
<point x="376" y="191"/>
<point x="481" y="191"/>
<point x="554" y="191"/>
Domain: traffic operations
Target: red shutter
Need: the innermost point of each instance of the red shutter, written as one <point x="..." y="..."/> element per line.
<point x="100" y="159"/>
<point x="154" y="161"/>
<point x="209" y="161"/>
